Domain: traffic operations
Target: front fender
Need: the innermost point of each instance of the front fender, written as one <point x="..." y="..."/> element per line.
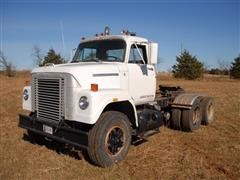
<point x="112" y="100"/>
<point x="97" y="102"/>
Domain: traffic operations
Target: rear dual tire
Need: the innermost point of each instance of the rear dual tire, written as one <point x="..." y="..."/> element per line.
<point x="192" y="118"/>
<point x="176" y="119"/>
<point x="207" y="110"/>
<point x="187" y="119"/>
<point x="201" y="112"/>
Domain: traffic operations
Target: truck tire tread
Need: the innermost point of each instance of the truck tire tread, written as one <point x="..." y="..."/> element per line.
<point x="176" y="119"/>
<point x="188" y="117"/>
<point x="97" y="135"/>
<point x="207" y="105"/>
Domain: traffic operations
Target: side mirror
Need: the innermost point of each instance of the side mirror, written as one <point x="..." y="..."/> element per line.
<point x="153" y="49"/>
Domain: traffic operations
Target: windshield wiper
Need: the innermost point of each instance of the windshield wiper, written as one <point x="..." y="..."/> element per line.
<point x="92" y="59"/>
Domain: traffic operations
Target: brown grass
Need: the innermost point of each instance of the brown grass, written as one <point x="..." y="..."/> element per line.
<point x="213" y="152"/>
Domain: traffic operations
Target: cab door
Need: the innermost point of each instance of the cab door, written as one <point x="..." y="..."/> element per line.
<point x="142" y="81"/>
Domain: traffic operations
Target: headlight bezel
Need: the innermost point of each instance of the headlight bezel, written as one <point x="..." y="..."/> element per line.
<point x="25" y="94"/>
<point x="83" y="102"/>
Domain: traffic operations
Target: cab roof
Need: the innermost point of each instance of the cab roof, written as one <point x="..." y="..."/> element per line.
<point x="127" y="38"/>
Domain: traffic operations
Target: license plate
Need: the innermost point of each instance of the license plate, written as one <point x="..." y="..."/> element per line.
<point x="47" y="129"/>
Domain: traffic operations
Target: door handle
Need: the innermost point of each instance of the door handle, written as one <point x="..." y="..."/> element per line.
<point x="151" y="69"/>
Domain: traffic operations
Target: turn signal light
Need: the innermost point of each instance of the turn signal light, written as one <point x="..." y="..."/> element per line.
<point x="94" y="87"/>
<point x="27" y="83"/>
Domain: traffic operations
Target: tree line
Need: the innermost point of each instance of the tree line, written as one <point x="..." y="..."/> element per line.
<point x="187" y="66"/>
<point x="52" y="57"/>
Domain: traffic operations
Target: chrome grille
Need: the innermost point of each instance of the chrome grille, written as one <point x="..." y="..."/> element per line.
<point x="49" y="98"/>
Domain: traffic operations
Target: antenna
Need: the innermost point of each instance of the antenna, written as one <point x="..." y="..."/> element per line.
<point x="181" y="47"/>
<point x="63" y="43"/>
<point x="1" y="47"/>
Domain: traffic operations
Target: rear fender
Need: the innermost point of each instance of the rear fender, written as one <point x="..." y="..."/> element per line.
<point x="186" y="100"/>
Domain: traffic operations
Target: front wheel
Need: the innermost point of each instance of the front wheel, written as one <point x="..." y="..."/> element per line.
<point x="109" y="139"/>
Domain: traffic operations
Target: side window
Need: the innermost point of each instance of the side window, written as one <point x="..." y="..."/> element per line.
<point x="135" y="57"/>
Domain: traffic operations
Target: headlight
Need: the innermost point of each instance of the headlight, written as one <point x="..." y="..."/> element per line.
<point x="83" y="103"/>
<point x="25" y="94"/>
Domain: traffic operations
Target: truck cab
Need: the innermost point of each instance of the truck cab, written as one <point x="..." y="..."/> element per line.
<point x="116" y="65"/>
<point x="131" y="55"/>
<point x="104" y="96"/>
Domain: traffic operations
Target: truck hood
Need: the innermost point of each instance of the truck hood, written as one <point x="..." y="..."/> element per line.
<point x="105" y="74"/>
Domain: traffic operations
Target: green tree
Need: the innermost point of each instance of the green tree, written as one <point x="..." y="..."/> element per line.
<point x="235" y="68"/>
<point x="52" y="57"/>
<point x="187" y="66"/>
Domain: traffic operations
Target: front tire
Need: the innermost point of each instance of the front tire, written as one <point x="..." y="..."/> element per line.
<point x="109" y="139"/>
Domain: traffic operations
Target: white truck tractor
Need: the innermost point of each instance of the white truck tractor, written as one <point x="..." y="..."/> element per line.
<point x="106" y="97"/>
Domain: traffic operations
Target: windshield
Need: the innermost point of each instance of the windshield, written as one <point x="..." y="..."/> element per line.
<point x="102" y="50"/>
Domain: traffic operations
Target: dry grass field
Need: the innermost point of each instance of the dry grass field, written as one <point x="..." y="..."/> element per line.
<point x="212" y="152"/>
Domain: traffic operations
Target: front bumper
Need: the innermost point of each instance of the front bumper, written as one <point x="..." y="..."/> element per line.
<point x="67" y="135"/>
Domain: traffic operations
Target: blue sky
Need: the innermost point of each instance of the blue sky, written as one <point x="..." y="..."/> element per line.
<point x="209" y="29"/>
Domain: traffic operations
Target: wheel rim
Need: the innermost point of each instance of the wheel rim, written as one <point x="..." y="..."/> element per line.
<point x="114" y="141"/>
<point x="210" y="111"/>
<point x="196" y="115"/>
